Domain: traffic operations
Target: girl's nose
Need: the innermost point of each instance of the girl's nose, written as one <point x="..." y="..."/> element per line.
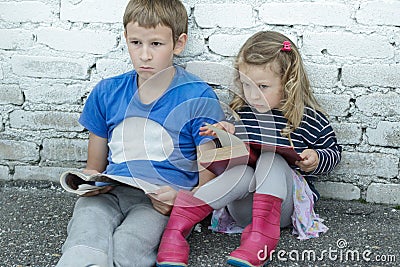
<point x="254" y="93"/>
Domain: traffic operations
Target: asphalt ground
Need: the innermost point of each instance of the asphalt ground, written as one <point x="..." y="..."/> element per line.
<point x="34" y="216"/>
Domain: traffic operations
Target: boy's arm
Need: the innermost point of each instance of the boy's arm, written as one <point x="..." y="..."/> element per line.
<point x="97" y="154"/>
<point x="97" y="160"/>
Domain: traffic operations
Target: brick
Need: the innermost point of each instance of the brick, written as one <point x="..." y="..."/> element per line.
<point x="18" y="150"/>
<point x="11" y="94"/>
<point x="384" y="193"/>
<point x="1" y="124"/>
<point x="12" y="39"/>
<point x="322" y="75"/>
<point x="195" y="45"/>
<point x="43" y="120"/>
<point x="212" y="72"/>
<point x="111" y="67"/>
<point x="335" y="190"/>
<point x="87" y="41"/>
<point x="334" y="105"/>
<point x="371" y="75"/>
<point x="224" y="15"/>
<point x="110" y="11"/>
<point x="50" y="67"/>
<point x="52" y="93"/>
<point x="226" y="44"/>
<point x="26" y="11"/>
<point x="386" y="134"/>
<point x="378" y="13"/>
<point x="59" y="149"/>
<point x="379" y="104"/>
<point x="305" y="13"/>
<point x="368" y="164"/>
<point x="347" y="133"/>
<point x="38" y="173"/>
<point x="345" y="44"/>
<point x="4" y="173"/>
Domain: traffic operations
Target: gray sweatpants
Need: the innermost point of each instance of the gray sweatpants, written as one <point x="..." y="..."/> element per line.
<point x="120" y="228"/>
<point x="234" y="188"/>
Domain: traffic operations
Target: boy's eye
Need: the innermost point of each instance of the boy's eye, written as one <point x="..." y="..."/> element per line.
<point x="263" y="86"/>
<point x="135" y="42"/>
<point x="156" y="43"/>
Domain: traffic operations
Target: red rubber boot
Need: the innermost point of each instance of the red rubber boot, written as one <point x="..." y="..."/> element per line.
<point x="187" y="211"/>
<point x="263" y="235"/>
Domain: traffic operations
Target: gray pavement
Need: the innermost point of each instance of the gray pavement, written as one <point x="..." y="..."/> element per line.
<point x="34" y="216"/>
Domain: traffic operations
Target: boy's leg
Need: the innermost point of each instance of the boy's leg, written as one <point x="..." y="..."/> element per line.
<point x="274" y="179"/>
<point x="136" y="240"/>
<point x="90" y="230"/>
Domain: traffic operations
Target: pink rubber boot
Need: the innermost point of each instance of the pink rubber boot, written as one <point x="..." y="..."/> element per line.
<point x="263" y="235"/>
<point x="187" y="211"/>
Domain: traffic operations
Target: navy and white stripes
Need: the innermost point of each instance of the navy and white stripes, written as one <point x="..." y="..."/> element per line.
<point x="314" y="132"/>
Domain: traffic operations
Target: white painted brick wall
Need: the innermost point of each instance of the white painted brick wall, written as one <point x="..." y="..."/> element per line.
<point x="379" y="13"/>
<point x="224" y="15"/>
<point x="26" y="11"/>
<point x="86" y="41"/>
<point x="306" y="13"/>
<point x="52" y="53"/>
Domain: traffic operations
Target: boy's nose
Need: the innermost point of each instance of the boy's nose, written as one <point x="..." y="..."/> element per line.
<point x="145" y="54"/>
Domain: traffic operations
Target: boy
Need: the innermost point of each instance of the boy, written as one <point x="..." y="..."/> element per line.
<point x="144" y="123"/>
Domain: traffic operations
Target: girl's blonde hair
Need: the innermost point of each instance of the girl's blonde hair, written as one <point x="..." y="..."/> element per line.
<point x="265" y="47"/>
<point x="151" y="13"/>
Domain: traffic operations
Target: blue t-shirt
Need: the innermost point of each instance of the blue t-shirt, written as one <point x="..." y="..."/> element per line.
<point x="155" y="142"/>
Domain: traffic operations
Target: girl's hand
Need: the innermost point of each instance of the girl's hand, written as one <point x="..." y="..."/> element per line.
<point x="310" y="160"/>
<point x="223" y="125"/>
<point x="163" y="199"/>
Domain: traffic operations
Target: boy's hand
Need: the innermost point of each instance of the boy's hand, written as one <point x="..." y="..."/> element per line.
<point x="310" y="160"/>
<point x="223" y="125"/>
<point x="99" y="191"/>
<point x="163" y="199"/>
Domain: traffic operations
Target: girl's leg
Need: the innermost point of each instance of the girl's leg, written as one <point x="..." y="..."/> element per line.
<point x="274" y="180"/>
<point x="136" y="239"/>
<point x="90" y="230"/>
<point x="190" y="209"/>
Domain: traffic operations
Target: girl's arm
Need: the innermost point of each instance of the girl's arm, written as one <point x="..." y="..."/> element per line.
<point x="223" y="125"/>
<point x="328" y="151"/>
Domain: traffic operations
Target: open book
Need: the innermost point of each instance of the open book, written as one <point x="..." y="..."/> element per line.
<point x="236" y="152"/>
<point x="80" y="183"/>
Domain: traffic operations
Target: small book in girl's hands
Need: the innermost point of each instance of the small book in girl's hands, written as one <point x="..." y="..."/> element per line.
<point x="80" y="183"/>
<point x="234" y="151"/>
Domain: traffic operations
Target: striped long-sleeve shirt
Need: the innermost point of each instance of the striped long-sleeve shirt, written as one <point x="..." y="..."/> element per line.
<point x="314" y="132"/>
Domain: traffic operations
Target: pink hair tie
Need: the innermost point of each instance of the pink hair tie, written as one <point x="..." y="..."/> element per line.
<point x="286" y="46"/>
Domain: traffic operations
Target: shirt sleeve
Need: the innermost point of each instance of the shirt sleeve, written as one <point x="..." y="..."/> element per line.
<point x="328" y="150"/>
<point x="93" y="116"/>
<point x="207" y="110"/>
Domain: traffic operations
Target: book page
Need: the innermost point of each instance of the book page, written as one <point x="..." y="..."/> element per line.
<point x="226" y="139"/>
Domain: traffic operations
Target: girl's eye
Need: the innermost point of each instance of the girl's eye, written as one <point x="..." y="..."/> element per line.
<point x="135" y="42"/>
<point x="156" y="43"/>
<point x="263" y="86"/>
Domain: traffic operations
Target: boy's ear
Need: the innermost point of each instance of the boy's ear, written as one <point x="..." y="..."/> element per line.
<point x="180" y="43"/>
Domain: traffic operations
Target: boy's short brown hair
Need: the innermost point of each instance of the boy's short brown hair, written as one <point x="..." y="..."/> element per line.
<point x="151" y="13"/>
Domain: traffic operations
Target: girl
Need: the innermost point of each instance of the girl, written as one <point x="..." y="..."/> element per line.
<point x="276" y="107"/>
